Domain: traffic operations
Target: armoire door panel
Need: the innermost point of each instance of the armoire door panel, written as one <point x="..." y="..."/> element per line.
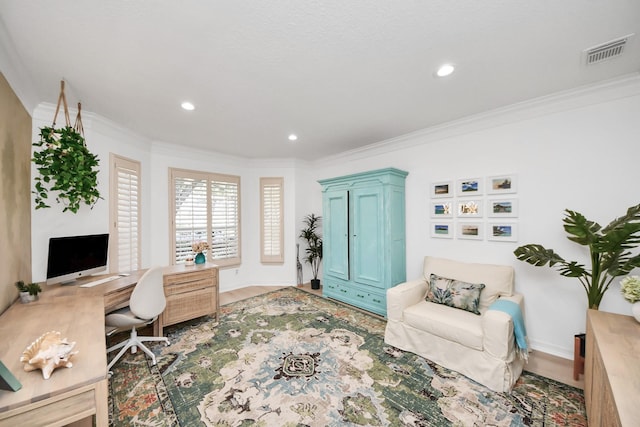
<point x="367" y="238"/>
<point x="336" y="239"/>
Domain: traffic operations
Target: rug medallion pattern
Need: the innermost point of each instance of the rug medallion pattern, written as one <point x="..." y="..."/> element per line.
<point x="289" y="358"/>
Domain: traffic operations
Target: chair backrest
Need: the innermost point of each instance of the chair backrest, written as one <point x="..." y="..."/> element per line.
<point x="498" y="279"/>
<point x="147" y="300"/>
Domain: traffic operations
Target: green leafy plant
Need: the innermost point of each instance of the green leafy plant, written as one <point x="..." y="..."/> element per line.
<point x="66" y="166"/>
<point x="21" y="286"/>
<point x="33" y="289"/>
<point x="609" y="251"/>
<point x="314" y="243"/>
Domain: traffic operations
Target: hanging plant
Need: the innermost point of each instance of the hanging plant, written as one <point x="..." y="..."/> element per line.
<point x="65" y="164"/>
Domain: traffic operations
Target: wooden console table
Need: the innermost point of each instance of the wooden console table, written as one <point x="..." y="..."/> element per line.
<point x="612" y="374"/>
<point x="72" y="394"/>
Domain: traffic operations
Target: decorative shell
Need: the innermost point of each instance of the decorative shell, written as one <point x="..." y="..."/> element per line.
<point x="48" y="352"/>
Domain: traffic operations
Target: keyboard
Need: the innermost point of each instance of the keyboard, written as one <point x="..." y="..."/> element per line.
<point x="99" y="282"/>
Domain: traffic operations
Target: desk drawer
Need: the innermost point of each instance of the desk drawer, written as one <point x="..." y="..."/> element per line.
<point x="189" y="305"/>
<point x="191" y="276"/>
<point x="182" y="287"/>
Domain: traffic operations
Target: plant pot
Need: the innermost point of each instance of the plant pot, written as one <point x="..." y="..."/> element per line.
<point x="200" y="258"/>
<point x="25" y="297"/>
<point x="315" y="283"/>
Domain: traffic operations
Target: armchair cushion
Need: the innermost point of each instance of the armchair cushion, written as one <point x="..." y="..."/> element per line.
<point x="454" y="293"/>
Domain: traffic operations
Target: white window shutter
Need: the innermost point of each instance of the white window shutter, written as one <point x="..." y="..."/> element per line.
<point x="272" y="221"/>
<point x="125" y="215"/>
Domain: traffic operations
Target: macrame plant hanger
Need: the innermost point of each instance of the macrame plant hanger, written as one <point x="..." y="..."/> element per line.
<point x="62" y="100"/>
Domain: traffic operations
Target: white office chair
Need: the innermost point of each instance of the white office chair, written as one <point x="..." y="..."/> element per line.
<point x="147" y="302"/>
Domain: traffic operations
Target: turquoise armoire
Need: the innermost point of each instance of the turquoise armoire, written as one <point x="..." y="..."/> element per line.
<point x="363" y="237"/>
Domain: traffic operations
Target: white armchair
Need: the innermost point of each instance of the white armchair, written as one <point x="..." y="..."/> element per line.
<point x="479" y="346"/>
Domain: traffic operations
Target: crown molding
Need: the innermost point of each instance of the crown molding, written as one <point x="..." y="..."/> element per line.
<point x="604" y="91"/>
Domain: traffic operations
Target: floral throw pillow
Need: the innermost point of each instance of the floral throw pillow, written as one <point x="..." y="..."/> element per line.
<point x="454" y="293"/>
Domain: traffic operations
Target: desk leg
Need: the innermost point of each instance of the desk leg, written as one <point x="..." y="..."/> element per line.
<point x="157" y="328"/>
<point x="102" y="403"/>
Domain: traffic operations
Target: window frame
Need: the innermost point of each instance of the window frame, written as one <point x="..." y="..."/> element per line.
<point x="209" y="177"/>
<point x="273" y="182"/>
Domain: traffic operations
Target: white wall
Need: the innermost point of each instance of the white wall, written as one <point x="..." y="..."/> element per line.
<point x="578" y="150"/>
<point x="102" y="137"/>
<point x="575" y="150"/>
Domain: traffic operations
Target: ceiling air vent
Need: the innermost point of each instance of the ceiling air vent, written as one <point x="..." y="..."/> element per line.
<point x="607" y="50"/>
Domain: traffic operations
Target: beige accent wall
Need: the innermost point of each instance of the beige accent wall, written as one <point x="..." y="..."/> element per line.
<point x="15" y="194"/>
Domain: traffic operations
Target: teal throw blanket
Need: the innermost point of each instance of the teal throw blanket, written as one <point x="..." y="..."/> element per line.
<point x="519" y="330"/>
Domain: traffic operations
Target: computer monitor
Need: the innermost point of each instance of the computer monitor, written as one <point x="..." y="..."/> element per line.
<point x="76" y="256"/>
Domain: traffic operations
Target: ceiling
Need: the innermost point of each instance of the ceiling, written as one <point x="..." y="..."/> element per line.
<point x="339" y="74"/>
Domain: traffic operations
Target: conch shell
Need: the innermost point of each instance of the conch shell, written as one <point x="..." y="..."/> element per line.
<point x="48" y="352"/>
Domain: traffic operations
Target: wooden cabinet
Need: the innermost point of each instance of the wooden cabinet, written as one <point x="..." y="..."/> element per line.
<point x="364" y="237"/>
<point x="612" y="374"/>
<point x="191" y="291"/>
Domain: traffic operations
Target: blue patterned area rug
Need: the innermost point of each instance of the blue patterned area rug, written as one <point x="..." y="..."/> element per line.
<point x="290" y="358"/>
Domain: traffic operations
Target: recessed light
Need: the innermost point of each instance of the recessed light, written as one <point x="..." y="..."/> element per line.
<point x="188" y="106"/>
<point x="293" y="137"/>
<point x="445" y="70"/>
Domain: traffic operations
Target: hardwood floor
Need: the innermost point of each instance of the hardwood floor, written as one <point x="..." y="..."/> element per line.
<point x="544" y="364"/>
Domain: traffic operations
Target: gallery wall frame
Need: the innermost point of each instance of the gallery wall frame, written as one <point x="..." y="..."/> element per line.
<point x="442" y="209"/>
<point x="466" y="208"/>
<point x="502" y="231"/>
<point x="470" y="230"/>
<point x="442" y="189"/>
<point x="502" y="207"/>
<point x="442" y="229"/>
<point x="469" y="187"/>
<point x="502" y="184"/>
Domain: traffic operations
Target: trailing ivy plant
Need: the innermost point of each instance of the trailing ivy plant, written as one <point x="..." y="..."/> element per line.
<point x="67" y="167"/>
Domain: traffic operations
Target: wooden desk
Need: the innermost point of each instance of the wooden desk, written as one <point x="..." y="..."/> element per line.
<point x="70" y="394"/>
<point x="612" y="375"/>
<point x="78" y="313"/>
<point x="191" y="291"/>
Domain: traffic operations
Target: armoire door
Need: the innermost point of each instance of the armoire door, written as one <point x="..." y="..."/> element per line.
<point x="367" y="236"/>
<point x="336" y="240"/>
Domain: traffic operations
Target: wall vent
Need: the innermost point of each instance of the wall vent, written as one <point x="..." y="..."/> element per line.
<point x="606" y="51"/>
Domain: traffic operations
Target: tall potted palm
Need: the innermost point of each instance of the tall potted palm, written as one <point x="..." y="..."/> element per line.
<point x="609" y="251"/>
<point x="314" y="246"/>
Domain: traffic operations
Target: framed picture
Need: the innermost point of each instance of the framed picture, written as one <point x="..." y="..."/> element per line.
<point x="502" y="231"/>
<point x="442" y="229"/>
<point x="507" y="208"/>
<point x="469" y="187"/>
<point x="502" y="184"/>
<point x="470" y="230"/>
<point x="442" y="189"/>
<point x="469" y="208"/>
<point x="442" y="209"/>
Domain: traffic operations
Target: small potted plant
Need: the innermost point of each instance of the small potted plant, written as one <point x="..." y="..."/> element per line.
<point x="199" y="248"/>
<point x="28" y="292"/>
<point x="630" y="288"/>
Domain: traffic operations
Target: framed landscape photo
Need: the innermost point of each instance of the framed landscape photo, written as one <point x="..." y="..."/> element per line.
<point x="502" y="184"/>
<point x="442" y="189"/>
<point x="469" y="208"/>
<point x="469" y="187"/>
<point x="502" y="231"/>
<point x="470" y="230"/>
<point x="443" y="209"/>
<point x="442" y="229"/>
<point x="506" y="208"/>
